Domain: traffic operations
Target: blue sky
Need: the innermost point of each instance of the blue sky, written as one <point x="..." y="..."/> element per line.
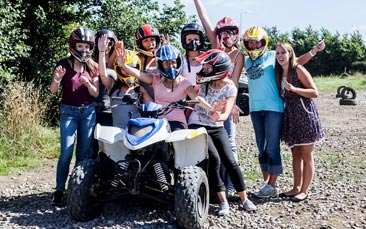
<point x="341" y="16"/>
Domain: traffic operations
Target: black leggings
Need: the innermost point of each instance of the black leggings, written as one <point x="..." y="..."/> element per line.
<point x="219" y="149"/>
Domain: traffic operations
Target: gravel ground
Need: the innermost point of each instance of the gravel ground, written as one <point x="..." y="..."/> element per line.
<point x="337" y="196"/>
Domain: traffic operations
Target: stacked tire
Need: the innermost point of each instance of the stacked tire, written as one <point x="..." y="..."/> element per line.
<point x="347" y="95"/>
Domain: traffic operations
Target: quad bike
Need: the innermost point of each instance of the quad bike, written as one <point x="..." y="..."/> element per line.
<point x="147" y="160"/>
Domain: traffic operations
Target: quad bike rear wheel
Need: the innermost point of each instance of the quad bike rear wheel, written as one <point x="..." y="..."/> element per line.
<point x="191" y="198"/>
<point x="82" y="199"/>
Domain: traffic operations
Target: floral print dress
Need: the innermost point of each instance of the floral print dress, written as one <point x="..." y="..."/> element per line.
<point x="302" y="124"/>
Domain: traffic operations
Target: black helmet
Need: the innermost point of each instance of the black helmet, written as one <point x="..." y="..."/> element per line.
<point x="110" y="34"/>
<point x="220" y="62"/>
<point x="192" y="28"/>
<point x="81" y="35"/>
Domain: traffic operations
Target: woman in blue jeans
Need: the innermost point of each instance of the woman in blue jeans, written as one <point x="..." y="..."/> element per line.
<point x="78" y="77"/>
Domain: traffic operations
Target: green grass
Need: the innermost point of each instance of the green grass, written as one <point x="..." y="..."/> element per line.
<point x="331" y="83"/>
<point x="25" y="139"/>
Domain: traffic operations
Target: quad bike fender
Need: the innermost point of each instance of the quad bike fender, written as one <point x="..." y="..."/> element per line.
<point x="190" y="146"/>
<point x="110" y="140"/>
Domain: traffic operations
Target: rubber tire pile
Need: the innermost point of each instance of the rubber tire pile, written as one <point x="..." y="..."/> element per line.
<point x="347" y="95"/>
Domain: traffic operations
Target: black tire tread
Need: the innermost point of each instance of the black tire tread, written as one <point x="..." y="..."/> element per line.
<point x="187" y="187"/>
<point x="79" y="205"/>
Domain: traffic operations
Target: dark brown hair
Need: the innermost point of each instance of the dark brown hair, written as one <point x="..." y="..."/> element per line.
<point x="291" y="66"/>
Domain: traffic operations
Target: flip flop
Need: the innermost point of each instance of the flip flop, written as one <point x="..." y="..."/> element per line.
<point x="297" y="199"/>
<point x="284" y="195"/>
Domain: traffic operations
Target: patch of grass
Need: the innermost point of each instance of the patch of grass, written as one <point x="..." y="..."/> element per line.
<point x="25" y="139"/>
<point x="251" y="175"/>
<point x="331" y="83"/>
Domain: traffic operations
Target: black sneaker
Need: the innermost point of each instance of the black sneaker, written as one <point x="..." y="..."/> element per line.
<point x="57" y="199"/>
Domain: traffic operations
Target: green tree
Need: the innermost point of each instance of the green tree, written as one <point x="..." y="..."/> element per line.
<point x="124" y="17"/>
<point x="12" y="39"/>
<point x="49" y="24"/>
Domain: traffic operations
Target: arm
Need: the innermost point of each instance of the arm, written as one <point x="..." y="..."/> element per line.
<point x="102" y="46"/>
<point x="142" y="76"/>
<point x="310" y="90"/>
<point x="225" y="112"/>
<point x="93" y="85"/>
<point x="57" y="77"/>
<point x="238" y="68"/>
<point x="307" y="56"/>
<point x="203" y="15"/>
<point x="202" y="102"/>
<point x="145" y="97"/>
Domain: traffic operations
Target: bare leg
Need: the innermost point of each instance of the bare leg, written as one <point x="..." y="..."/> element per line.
<point x="265" y="176"/>
<point x="221" y="196"/>
<point x="308" y="171"/>
<point x="272" y="180"/>
<point x="243" y="196"/>
<point x="297" y="168"/>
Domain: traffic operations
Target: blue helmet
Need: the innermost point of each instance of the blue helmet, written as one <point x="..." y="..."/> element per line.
<point x="169" y="52"/>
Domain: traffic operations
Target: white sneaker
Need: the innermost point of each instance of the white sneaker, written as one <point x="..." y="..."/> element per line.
<point x="224" y="208"/>
<point x="249" y="206"/>
<point x="266" y="191"/>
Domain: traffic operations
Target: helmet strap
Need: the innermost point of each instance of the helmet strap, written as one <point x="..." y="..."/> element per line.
<point x="188" y="63"/>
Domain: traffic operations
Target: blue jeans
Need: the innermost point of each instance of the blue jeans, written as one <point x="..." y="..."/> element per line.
<point x="75" y="122"/>
<point x="268" y="128"/>
<point x="230" y="126"/>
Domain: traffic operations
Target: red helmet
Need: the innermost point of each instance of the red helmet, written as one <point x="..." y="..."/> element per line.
<point x="143" y="32"/>
<point x="220" y="62"/>
<point x="229" y="26"/>
<point x="81" y="35"/>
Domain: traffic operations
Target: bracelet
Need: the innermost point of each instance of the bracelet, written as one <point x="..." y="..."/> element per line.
<point x="56" y="80"/>
<point x="311" y="53"/>
<point x="101" y="50"/>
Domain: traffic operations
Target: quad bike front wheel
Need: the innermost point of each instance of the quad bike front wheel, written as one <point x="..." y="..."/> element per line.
<point x="82" y="197"/>
<point x="191" y="198"/>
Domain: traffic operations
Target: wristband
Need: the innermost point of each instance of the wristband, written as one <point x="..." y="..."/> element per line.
<point x="311" y="53"/>
<point x="56" y="80"/>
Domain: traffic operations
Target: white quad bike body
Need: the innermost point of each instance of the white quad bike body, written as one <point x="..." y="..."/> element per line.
<point x="145" y="159"/>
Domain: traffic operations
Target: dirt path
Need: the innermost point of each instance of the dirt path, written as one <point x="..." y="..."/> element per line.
<point x="337" y="196"/>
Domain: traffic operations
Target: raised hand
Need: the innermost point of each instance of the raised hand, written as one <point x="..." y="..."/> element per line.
<point x="103" y="43"/>
<point x="59" y="72"/>
<point x="121" y="55"/>
<point x="165" y="39"/>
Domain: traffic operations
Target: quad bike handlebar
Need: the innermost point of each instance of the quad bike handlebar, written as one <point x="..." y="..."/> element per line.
<point x="154" y="110"/>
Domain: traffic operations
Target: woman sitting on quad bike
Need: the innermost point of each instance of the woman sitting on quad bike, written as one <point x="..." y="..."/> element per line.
<point x="124" y="92"/>
<point x="168" y="84"/>
<point x="214" y="85"/>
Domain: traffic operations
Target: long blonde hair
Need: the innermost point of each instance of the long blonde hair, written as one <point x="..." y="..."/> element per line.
<point x="291" y="66"/>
